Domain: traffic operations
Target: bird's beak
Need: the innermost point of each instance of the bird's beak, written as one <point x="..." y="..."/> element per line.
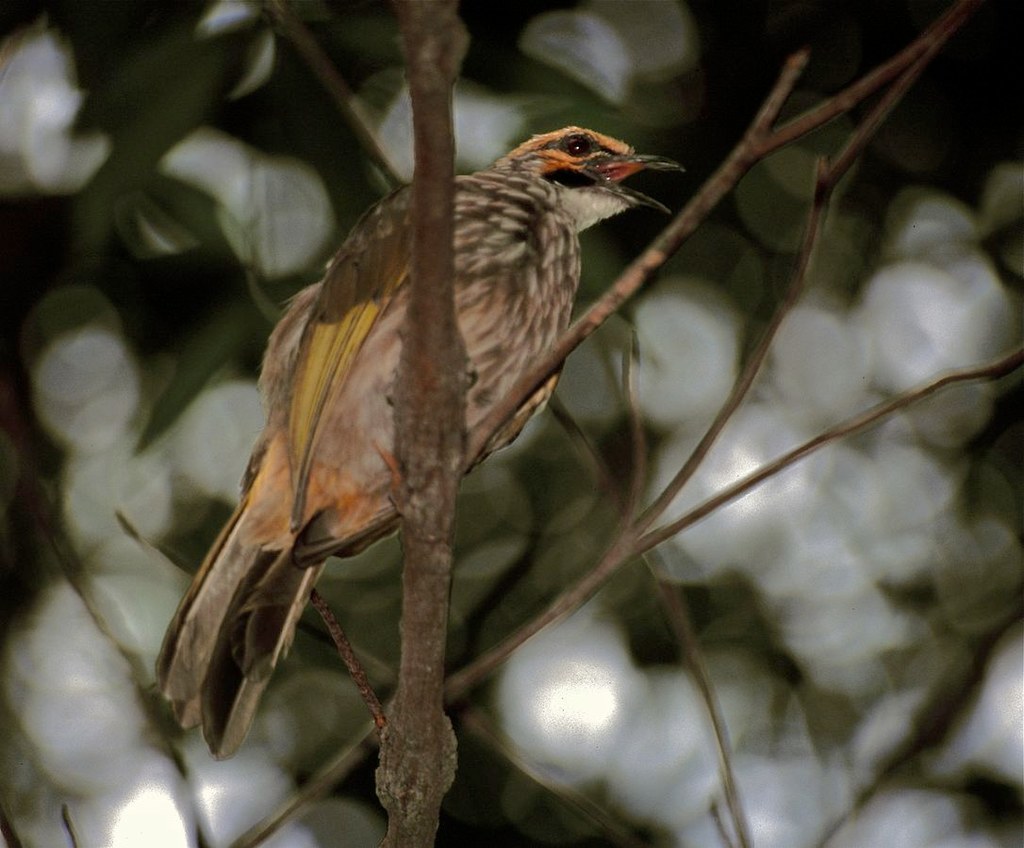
<point x="614" y="169"/>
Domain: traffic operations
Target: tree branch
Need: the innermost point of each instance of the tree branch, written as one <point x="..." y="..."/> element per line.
<point x="857" y="423"/>
<point x="759" y="140"/>
<point x="417" y="763"/>
<point x="626" y="546"/>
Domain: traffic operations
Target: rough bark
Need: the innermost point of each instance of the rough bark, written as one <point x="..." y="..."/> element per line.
<point x="417" y="763"/>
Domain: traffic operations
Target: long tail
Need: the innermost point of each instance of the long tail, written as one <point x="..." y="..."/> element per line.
<point x="234" y="624"/>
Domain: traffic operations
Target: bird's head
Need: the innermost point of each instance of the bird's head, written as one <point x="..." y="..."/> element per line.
<point x="590" y="167"/>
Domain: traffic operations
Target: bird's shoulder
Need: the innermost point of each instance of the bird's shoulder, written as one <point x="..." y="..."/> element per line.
<point x="507" y="219"/>
<point x="502" y="221"/>
<point x="508" y="201"/>
<point x="496" y="194"/>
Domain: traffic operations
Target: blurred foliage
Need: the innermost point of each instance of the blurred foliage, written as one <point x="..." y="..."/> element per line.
<point x="155" y="261"/>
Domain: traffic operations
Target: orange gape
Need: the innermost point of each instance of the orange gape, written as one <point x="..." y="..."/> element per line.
<point x="319" y="480"/>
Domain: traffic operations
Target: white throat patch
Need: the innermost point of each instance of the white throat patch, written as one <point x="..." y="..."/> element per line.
<point x="586" y="206"/>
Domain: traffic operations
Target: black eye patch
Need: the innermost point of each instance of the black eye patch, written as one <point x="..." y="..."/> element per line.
<point x="569" y="177"/>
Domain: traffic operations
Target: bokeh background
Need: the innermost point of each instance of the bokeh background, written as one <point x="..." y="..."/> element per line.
<point x="170" y="173"/>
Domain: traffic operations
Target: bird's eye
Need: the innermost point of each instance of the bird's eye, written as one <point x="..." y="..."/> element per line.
<point x="577" y="145"/>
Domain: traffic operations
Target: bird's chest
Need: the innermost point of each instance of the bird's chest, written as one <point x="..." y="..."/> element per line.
<point x="516" y="279"/>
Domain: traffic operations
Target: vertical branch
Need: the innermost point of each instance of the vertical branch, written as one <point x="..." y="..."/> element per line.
<point x="417" y="763"/>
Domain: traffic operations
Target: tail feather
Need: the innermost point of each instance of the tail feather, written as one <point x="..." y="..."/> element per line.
<point x="256" y="633"/>
<point x="191" y="636"/>
<point x="235" y="622"/>
<point x="238" y="618"/>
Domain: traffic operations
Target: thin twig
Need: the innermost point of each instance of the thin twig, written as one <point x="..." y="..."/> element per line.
<point x="678" y="615"/>
<point x="586" y="450"/>
<point x="989" y="371"/>
<point x="723" y="831"/>
<point x="625" y="546"/>
<point x="637" y="436"/>
<point x="348" y="656"/>
<point x="752" y="367"/>
<point x="305" y="43"/>
<point x="480" y="725"/>
<point x="318" y="786"/>
<point x="69" y="826"/>
<point x="930" y="41"/>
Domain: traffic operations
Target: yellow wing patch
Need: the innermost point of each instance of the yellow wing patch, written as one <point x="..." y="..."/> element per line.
<point x="328" y="354"/>
<point x="371" y="266"/>
<point x="329" y="351"/>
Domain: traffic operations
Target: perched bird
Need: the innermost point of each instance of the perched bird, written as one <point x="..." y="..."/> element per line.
<point x="319" y="478"/>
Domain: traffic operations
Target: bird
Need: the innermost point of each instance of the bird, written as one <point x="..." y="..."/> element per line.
<point x="319" y="481"/>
